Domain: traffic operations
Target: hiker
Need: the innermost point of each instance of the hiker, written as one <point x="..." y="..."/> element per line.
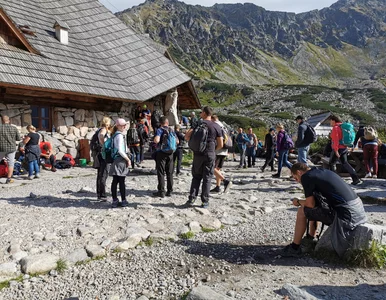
<point x="242" y="140"/>
<point x="340" y="151"/>
<point x="102" y="134"/>
<point x="178" y="154"/>
<point x="143" y="134"/>
<point x="47" y="154"/>
<point x="251" y="148"/>
<point x="259" y="149"/>
<point x="330" y="200"/>
<point x="204" y="160"/>
<point x="9" y="135"/>
<point x="193" y="120"/>
<point x="164" y="158"/>
<point x="121" y="163"/>
<point x="32" y="152"/>
<point x="138" y="113"/>
<point x="184" y="121"/>
<point x="133" y="142"/>
<point x="370" y="151"/>
<point x="282" y="148"/>
<point x="232" y="150"/>
<point x="146" y="114"/>
<point x="221" y="154"/>
<point x="360" y="133"/>
<point x="269" y="144"/>
<point x="303" y="140"/>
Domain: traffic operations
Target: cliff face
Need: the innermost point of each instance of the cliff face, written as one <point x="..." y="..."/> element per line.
<point x="342" y="45"/>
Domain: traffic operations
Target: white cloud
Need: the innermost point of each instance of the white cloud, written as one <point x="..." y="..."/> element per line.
<point x="277" y="5"/>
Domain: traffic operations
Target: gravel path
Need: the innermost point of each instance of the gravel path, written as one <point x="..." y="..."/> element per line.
<point x="59" y="214"/>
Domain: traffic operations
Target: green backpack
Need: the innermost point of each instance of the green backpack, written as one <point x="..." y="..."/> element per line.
<point x="109" y="152"/>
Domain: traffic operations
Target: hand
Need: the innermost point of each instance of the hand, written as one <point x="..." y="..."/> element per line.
<point x="128" y="163"/>
<point x="337" y="154"/>
<point x="295" y="202"/>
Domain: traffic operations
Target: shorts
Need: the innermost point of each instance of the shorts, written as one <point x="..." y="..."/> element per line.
<point x="10" y="156"/>
<point x="319" y="214"/>
<point x="219" y="161"/>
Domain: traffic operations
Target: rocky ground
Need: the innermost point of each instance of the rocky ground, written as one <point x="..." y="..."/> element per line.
<point x="138" y="251"/>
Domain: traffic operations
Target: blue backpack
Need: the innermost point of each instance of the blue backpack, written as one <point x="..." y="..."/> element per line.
<point x="168" y="142"/>
<point x="109" y="152"/>
<point x="348" y="134"/>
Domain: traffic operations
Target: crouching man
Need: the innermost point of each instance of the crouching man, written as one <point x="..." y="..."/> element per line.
<point x="329" y="200"/>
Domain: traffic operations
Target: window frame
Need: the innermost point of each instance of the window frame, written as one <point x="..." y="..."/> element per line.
<point x="39" y="118"/>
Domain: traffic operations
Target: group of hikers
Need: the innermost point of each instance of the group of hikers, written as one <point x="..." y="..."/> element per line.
<point x="328" y="198"/>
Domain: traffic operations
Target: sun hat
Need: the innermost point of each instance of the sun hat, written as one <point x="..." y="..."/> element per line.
<point x="120" y="122"/>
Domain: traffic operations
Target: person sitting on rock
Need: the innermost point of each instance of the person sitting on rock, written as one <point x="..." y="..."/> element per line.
<point x="330" y="200"/>
<point x="47" y="154"/>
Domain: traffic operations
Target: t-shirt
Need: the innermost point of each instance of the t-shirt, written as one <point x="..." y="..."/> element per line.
<point x="34" y="139"/>
<point x="328" y="184"/>
<point x="214" y="131"/>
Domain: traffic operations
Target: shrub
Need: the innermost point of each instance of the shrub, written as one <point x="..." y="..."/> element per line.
<point x="374" y="257"/>
<point x="187" y="236"/>
<point x="282" y="115"/>
<point x="319" y="145"/>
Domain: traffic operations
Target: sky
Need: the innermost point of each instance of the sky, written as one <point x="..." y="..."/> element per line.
<point x="296" y="6"/>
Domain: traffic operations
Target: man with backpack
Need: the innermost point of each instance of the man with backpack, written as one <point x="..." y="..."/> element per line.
<point x="204" y="139"/>
<point x="242" y="140"/>
<point x="306" y="136"/>
<point x="166" y="140"/>
<point x="330" y="200"/>
<point x="251" y="148"/>
<point x="178" y="154"/>
<point x="341" y="139"/>
<point x="133" y="143"/>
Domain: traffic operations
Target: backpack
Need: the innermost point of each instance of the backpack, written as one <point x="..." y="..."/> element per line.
<point x="287" y="142"/>
<point x="348" y="134"/>
<point x="155" y="119"/>
<point x="168" y="142"/>
<point x="3" y="168"/>
<point x="143" y="132"/>
<point x="94" y="143"/>
<point x="133" y="137"/>
<point x="310" y="134"/>
<point x="199" y="138"/>
<point x="370" y="133"/>
<point x="63" y="164"/>
<point x="68" y="157"/>
<point x="382" y="151"/>
<point x="109" y="152"/>
<point x="228" y="143"/>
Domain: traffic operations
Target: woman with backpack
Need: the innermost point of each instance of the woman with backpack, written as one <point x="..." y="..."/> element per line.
<point x="32" y="152"/>
<point x="282" y="146"/>
<point x="100" y="163"/>
<point x="121" y="163"/>
<point x="370" y="151"/>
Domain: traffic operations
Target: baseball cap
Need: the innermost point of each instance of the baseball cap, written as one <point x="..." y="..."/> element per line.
<point x="271" y="129"/>
<point x="299" y="118"/>
<point x="120" y="122"/>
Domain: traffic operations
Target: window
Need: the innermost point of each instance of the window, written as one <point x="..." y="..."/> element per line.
<point x="41" y="117"/>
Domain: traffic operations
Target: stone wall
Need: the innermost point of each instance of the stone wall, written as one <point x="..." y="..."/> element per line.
<point x="71" y="124"/>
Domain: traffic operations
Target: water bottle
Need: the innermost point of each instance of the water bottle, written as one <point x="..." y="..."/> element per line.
<point x="52" y="130"/>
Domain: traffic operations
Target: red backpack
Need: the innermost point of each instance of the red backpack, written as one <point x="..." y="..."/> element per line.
<point x="3" y="168"/>
<point x="69" y="158"/>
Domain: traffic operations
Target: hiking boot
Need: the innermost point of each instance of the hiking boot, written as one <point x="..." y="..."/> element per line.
<point x="227" y="185"/>
<point x="37" y="176"/>
<point x="9" y="180"/>
<point x="53" y="169"/>
<point x="356" y="181"/>
<point x="289" y="251"/>
<point x="368" y="175"/>
<point x="234" y="159"/>
<point x="102" y="198"/>
<point x="168" y="194"/>
<point x="273" y="170"/>
<point x="375" y="176"/>
<point x="262" y="169"/>
<point x="30" y="177"/>
<point x="115" y="203"/>
<point x="215" y="190"/>
<point x="159" y="194"/>
<point x="190" y="202"/>
<point x="245" y="167"/>
<point x="205" y="205"/>
<point x="124" y="203"/>
<point x="277" y="175"/>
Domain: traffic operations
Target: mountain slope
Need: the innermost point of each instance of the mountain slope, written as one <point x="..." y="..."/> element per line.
<point x="339" y="46"/>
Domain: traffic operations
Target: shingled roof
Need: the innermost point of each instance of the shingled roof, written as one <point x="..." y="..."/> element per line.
<point x="103" y="58"/>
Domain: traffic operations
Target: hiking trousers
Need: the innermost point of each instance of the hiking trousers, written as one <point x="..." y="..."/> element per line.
<point x="177" y="155"/>
<point x="102" y="175"/>
<point x="164" y="166"/>
<point x="343" y="159"/>
<point x="269" y="159"/>
<point x="202" y="170"/>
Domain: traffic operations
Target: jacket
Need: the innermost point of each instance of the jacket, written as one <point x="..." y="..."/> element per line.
<point x="269" y="142"/>
<point x="242" y="140"/>
<point x="336" y="136"/>
<point x="300" y="142"/>
<point x="280" y="140"/>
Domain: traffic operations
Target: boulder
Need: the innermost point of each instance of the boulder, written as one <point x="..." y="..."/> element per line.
<point x="210" y="222"/>
<point x="83" y="131"/>
<point x="77" y="256"/>
<point x="130" y="243"/>
<point x="7" y="271"/>
<point x="39" y="263"/>
<point x="95" y="251"/>
<point x="205" y="293"/>
<point x="62" y="129"/>
<point x="135" y="230"/>
<point x="69" y="121"/>
<point x="293" y="292"/>
<point x="363" y="237"/>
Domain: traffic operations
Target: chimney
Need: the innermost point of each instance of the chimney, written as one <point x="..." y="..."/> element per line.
<point x="61" y="31"/>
